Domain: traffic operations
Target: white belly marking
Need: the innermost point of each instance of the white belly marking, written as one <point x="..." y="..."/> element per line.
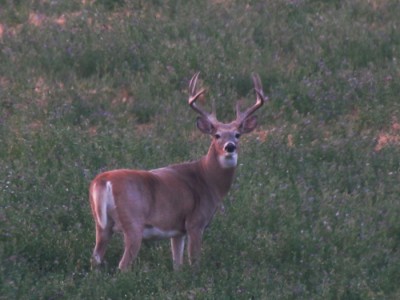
<point x="156" y="233"/>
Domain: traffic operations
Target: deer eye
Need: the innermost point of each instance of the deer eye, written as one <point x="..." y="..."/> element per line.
<point x="237" y="135"/>
<point x="217" y="136"/>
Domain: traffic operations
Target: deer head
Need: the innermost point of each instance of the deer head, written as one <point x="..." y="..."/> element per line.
<point x="226" y="135"/>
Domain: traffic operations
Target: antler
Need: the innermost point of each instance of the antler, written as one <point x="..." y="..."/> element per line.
<point x="259" y="100"/>
<point x="193" y="96"/>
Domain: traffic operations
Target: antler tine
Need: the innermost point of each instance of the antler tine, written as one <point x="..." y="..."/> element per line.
<point x="192" y="83"/>
<point x="193" y="95"/>
<point x="259" y="89"/>
<point x="260" y="99"/>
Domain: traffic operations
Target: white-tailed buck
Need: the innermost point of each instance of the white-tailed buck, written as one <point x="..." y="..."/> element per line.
<point x="176" y="201"/>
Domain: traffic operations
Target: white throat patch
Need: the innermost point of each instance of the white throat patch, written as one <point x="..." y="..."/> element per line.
<point x="228" y="160"/>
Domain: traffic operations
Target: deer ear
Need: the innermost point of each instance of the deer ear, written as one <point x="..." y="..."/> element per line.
<point x="248" y="124"/>
<point x="205" y="126"/>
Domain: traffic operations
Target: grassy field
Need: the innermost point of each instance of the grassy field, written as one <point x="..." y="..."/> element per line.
<point x="88" y="86"/>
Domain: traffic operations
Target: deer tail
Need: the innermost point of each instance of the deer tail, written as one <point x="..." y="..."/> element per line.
<point x="102" y="197"/>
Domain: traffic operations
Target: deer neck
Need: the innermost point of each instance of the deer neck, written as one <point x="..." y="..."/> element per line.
<point x="218" y="178"/>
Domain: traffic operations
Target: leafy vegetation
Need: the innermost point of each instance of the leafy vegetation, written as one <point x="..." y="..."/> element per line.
<point x="87" y="86"/>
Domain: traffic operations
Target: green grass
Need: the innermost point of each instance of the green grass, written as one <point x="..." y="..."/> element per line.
<point x="88" y="86"/>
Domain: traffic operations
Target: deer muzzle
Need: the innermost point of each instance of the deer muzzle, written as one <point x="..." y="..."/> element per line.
<point x="230" y="147"/>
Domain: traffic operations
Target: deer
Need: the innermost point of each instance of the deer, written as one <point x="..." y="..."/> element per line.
<point x="176" y="202"/>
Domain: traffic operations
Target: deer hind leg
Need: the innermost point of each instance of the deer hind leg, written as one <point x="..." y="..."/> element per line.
<point x="133" y="241"/>
<point x="102" y="238"/>
<point x="177" y="246"/>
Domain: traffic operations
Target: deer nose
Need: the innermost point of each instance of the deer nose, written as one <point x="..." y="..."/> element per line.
<point x="230" y="147"/>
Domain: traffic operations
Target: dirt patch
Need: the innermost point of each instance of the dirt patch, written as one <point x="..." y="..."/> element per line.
<point x="389" y="137"/>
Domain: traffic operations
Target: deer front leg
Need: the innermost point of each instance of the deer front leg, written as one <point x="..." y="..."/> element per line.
<point x="194" y="246"/>
<point x="177" y="246"/>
